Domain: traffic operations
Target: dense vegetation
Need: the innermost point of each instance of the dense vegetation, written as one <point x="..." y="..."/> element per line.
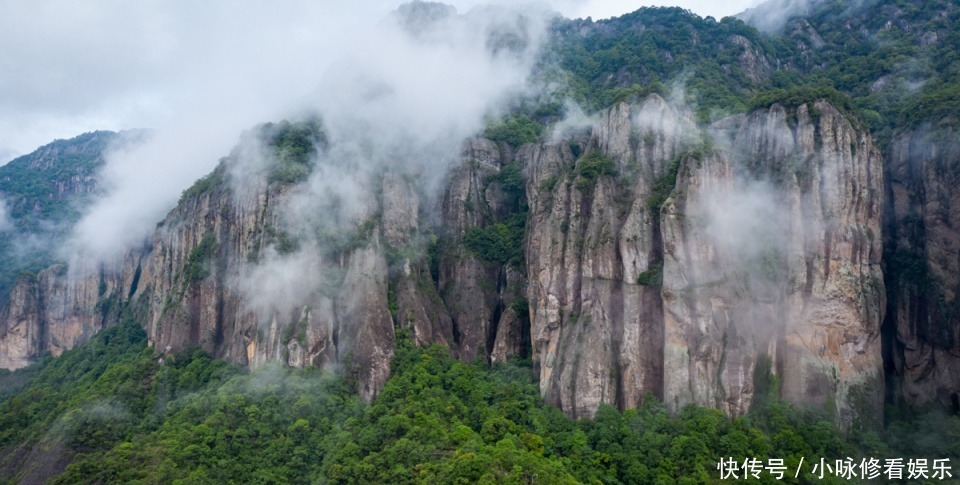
<point x="43" y="194"/>
<point x="115" y="410"/>
<point x="515" y="130"/>
<point x="294" y="146"/>
<point x="894" y="63"/>
<point x="656" y="46"/>
<point x="501" y="242"/>
<point x="898" y="60"/>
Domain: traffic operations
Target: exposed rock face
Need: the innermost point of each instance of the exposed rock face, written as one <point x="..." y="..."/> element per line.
<point x="655" y="262"/>
<point x="220" y="273"/>
<point x="473" y="290"/>
<point x="710" y="345"/>
<point x="334" y="310"/>
<point x="924" y="265"/>
<point x="21" y="331"/>
<point x="56" y="310"/>
<point x="809" y="300"/>
<point x="597" y="333"/>
<point x="802" y="287"/>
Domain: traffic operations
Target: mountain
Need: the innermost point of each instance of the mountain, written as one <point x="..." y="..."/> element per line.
<point x="745" y="217"/>
<point x="44" y="194"/>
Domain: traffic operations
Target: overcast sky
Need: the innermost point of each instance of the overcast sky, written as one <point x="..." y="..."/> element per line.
<point x="68" y="67"/>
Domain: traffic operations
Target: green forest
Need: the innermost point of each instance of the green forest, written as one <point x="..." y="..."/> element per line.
<point x="118" y="411"/>
<point x="40" y="206"/>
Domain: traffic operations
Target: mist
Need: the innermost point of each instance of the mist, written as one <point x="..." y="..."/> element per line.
<point x="389" y="93"/>
<point x="5" y="223"/>
<point x="404" y="102"/>
<point x="747" y="223"/>
<point x="198" y="77"/>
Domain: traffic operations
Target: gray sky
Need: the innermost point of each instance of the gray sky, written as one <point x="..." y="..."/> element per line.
<point x="69" y="67"/>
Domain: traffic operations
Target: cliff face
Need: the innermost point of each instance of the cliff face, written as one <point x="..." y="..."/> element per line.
<point x="53" y="311"/>
<point x="42" y="194"/>
<point x="659" y="259"/>
<point x="597" y="334"/>
<point x="800" y="287"/>
<point x="924" y="266"/>
<point x="221" y="273"/>
<point x="768" y="251"/>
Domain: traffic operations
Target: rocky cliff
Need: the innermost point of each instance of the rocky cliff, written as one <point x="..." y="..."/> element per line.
<point x="773" y="252"/>
<point x="767" y="250"/>
<point x="693" y="264"/>
<point x="923" y="269"/>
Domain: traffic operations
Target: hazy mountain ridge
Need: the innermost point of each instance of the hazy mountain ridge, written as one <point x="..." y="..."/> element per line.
<point x="631" y="280"/>
<point x="42" y="195"/>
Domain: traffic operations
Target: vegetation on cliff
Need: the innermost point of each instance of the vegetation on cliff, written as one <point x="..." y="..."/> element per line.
<point x="43" y="195"/>
<point x="115" y="410"/>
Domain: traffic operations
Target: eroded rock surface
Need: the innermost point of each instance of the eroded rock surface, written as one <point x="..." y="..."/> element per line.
<point x="773" y="252"/>
<point x="660" y="258"/>
<point x="924" y="265"/>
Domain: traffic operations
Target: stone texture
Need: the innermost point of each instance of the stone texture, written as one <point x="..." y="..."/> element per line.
<point x="805" y="294"/>
<point x="811" y="300"/>
<point x="924" y="244"/>
<point x="597" y="333"/>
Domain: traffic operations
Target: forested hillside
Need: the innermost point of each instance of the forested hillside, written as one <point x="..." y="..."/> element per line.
<point x="685" y="239"/>
<point x="115" y="410"/>
<point x="43" y="194"/>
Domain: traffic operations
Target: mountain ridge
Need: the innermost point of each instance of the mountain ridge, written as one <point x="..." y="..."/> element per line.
<point x="605" y="241"/>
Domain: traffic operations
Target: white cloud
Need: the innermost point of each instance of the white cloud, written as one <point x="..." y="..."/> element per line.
<point x="201" y="73"/>
<point x="5" y="222"/>
<point x="216" y="71"/>
<point x="71" y="67"/>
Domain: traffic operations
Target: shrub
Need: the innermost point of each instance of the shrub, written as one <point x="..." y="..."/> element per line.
<point x="514" y="130"/>
<point x="197" y="268"/>
<point x="652" y="276"/>
<point x="500" y="243"/>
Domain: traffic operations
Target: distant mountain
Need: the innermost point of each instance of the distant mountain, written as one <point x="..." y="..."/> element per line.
<point x="44" y="193"/>
<point x="746" y="214"/>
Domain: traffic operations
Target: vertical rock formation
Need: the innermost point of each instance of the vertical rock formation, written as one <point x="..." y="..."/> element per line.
<point x="656" y="261"/>
<point x="477" y="292"/>
<point x="924" y="266"/>
<point x="801" y="286"/>
<point x="768" y="251"/>
<point x="56" y="310"/>
<point x="596" y="327"/>
<point x="222" y="273"/>
<point x="467" y="284"/>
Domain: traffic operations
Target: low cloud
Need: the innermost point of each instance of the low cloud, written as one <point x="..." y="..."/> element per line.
<point x="404" y="100"/>
<point x="282" y="281"/>
<point x="401" y="89"/>
<point x="574" y="121"/>
<point x="745" y="221"/>
<point x="5" y="223"/>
